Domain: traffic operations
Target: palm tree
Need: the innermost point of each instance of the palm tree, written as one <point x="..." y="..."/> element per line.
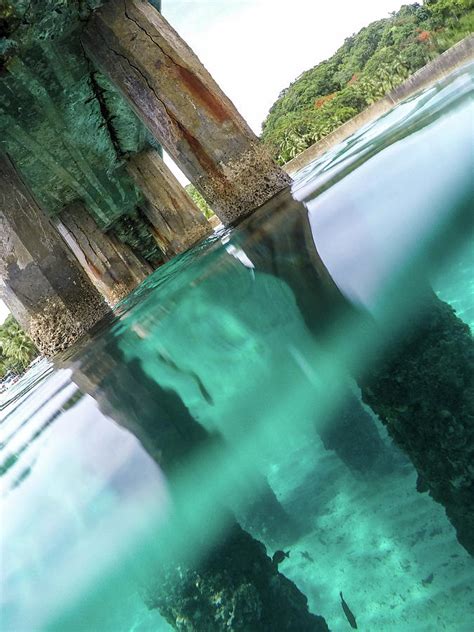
<point x="16" y="349"/>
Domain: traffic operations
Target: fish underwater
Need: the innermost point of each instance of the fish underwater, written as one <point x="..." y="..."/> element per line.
<point x="428" y="580"/>
<point x="279" y="556"/>
<point x="349" y="615"/>
<point x="306" y="556"/>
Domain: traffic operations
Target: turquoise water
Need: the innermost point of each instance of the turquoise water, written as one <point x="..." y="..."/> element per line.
<point x="229" y="384"/>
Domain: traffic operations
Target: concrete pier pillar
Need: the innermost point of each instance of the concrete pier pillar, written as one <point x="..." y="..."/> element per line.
<point x="422" y="387"/>
<point x="422" y="390"/>
<point x="47" y="292"/>
<point x="237" y="587"/>
<point x="111" y="265"/>
<point x="251" y="591"/>
<point x="183" y="107"/>
<point x="177" y="221"/>
<point x="351" y="432"/>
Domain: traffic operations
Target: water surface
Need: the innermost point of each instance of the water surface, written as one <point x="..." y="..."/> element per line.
<point x="218" y="384"/>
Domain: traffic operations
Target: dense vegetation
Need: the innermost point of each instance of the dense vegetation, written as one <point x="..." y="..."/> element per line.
<point x="16" y="349"/>
<point x="200" y="202"/>
<point x="366" y="67"/>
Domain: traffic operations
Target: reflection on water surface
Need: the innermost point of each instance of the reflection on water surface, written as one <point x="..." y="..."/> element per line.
<point x="227" y="413"/>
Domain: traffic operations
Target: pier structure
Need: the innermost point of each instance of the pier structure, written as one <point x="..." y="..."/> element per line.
<point x="89" y="95"/>
<point x="44" y="286"/>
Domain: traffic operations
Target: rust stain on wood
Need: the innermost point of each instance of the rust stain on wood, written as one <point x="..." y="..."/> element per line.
<point x="201" y="93"/>
<point x="204" y="159"/>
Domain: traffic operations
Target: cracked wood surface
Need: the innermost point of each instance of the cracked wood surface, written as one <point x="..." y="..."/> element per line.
<point x="111" y="265"/>
<point x="182" y="106"/>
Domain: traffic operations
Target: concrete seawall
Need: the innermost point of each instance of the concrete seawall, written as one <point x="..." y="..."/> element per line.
<point x="455" y="57"/>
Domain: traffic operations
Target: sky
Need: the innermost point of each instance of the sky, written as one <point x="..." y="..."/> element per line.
<point x="3" y="311"/>
<point x="255" y="48"/>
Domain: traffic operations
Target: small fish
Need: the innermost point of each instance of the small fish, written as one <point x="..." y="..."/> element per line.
<point x="427" y="581"/>
<point x="347" y="611"/>
<point x="279" y="556"/>
<point x="204" y="392"/>
<point x="306" y="556"/>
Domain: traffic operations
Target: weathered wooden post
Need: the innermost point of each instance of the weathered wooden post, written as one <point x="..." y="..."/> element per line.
<point x="47" y="292"/>
<point x="183" y="107"/>
<point x="111" y="265"/>
<point x="177" y="222"/>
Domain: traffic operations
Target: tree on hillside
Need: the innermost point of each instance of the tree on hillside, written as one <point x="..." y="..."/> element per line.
<point x="367" y="66"/>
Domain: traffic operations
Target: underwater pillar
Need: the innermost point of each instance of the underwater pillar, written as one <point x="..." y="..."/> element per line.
<point x="423" y="391"/>
<point x="42" y="284"/>
<point x="183" y="107"/>
<point x="176" y="220"/>
<point x="236" y="586"/>
<point x="351" y="433"/>
<point x="110" y="264"/>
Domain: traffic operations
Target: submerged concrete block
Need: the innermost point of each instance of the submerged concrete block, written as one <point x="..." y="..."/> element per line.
<point x="176" y="220"/>
<point x="111" y="265"/>
<point x="183" y="107"/>
<point x="48" y="293"/>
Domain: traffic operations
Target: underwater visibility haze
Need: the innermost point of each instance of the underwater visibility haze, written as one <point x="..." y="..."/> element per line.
<point x="275" y="430"/>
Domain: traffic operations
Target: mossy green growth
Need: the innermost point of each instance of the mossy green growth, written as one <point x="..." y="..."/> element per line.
<point x="27" y="22"/>
<point x="134" y="230"/>
<point x="66" y="128"/>
<point x="68" y="131"/>
<point x="8" y="17"/>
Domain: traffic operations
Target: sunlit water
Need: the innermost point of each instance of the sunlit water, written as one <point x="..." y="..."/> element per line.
<point x="213" y="386"/>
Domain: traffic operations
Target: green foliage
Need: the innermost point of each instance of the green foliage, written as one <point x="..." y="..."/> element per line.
<point x="366" y="67"/>
<point x="16" y="349"/>
<point x="200" y="202"/>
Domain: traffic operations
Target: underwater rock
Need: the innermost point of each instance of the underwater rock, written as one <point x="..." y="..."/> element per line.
<point x="423" y="391"/>
<point x="236" y="589"/>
